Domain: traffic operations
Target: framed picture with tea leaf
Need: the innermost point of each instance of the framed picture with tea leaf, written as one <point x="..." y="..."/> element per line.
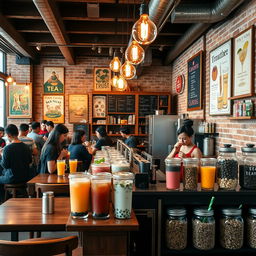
<point x="243" y="66"/>
<point x="101" y="79"/>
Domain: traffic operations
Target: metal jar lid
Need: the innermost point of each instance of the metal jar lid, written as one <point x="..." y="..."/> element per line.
<point x="249" y="148"/>
<point x="203" y="211"/>
<point x="227" y="149"/>
<point x="48" y="193"/>
<point x="232" y="211"/>
<point x="193" y="161"/>
<point x="178" y="211"/>
<point x="252" y="211"/>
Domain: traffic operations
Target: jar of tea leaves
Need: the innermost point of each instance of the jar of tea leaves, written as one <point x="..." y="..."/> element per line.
<point x="190" y="174"/>
<point x="203" y="227"/>
<point x="231" y="228"/>
<point x="176" y="229"/>
<point x="247" y="167"/>
<point x="251" y="228"/>
<point x="227" y="168"/>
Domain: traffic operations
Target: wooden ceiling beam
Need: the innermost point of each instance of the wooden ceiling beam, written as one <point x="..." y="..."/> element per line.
<point x="132" y="2"/>
<point x="23" y="17"/>
<point x="15" y="38"/>
<point x="49" y="12"/>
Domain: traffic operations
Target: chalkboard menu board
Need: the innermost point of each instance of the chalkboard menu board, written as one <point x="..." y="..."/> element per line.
<point x="194" y="95"/>
<point x="147" y="104"/>
<point x="121" y="103"/>
<point x="85" y="127"/>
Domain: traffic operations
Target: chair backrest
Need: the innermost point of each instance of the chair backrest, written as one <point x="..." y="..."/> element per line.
<point x="58" y="189"/>
<point x="39" y="246"/>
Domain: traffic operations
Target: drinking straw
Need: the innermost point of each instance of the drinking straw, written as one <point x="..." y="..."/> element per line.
<point x="210" y="204"/>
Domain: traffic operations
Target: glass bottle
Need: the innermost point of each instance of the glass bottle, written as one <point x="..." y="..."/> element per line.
<point x="247" y="167"/>
<point x="231" y="228"/>
<point x="251" y="228"/>
<point x="227" y="168"/>
<point x="190" y="174"/>
<point x="176" y="229"/>
<point x="203" y="227"/>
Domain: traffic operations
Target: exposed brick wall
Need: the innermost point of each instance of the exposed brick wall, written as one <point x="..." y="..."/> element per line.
<point x="237" y="132"/>
<point x="79" y="79"/>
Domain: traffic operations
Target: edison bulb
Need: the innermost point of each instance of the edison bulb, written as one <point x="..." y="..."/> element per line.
<point x="114" y="81"/>
<point x="115" y="64"/>
<point x="135" y="53"/>
<point x="144" y="31"/>
<point x="121" y="83"/>
<point x="9" y="79"/>
<point x="128" y="71"/>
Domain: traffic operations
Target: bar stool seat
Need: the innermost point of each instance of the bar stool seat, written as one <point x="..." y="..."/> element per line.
<point x="14" y="190"/>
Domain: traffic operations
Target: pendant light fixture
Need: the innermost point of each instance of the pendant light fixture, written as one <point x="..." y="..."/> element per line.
<point x="128" y="71"/>
<point x="135" y="53"/>
<point x="144" y="31"/>
<point x="9" y="79"/>
<point x="121" y="84"/>
<point x="115" y="64"/>
<point x="114" y="81"/>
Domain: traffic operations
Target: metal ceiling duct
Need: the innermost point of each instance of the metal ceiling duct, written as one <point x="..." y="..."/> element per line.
<point x="222" y="8"/>
<point x="204" y="13"/>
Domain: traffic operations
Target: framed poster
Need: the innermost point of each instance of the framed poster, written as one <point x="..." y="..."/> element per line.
<point x="53" y="80"/>
<point x="243" y="55"/>
<point x="78" y="108"/>
<point x="101" y="79"/>
<point x="19" y="100"/>
<point x="99" y="106"/>
<point x="53" y="108"/>
<point x="220" y="79"/>
<point x="194" y="93"/>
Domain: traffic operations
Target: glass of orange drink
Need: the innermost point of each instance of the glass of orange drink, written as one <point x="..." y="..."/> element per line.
<point x="208" y="173"/>
<point x="79" y="184"/>
<point x="72" y="165"/>
<point x="61" y="167"/>
<point x="101" y="192"/>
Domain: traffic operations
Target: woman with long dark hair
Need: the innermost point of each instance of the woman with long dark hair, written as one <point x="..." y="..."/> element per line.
<point x="78" y="150"/>
<point x="53" y="150"/>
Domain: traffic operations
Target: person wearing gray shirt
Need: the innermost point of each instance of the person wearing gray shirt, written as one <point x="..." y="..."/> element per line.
<point x="38" y="139"/>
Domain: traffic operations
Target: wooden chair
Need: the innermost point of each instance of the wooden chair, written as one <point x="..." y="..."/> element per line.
<point x="39" y="246"/>
<point x="15" y="189"/>
<point x="58" y="189"/>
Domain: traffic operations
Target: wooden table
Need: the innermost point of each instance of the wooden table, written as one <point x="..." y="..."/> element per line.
<point x="104" y="237"/>
<point x="99" y="237"/>
<point x="46" y="178"/>
<point x="25" y="214"/>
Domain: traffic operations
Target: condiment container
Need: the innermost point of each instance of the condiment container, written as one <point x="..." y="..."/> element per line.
<point x="172" y="171"/>
<point x="247" y="167"/>
<point x="203" y="229"/>
<point x="227" y="168"/>
<point x="190" y="174"/>
<point x="251" y="228"/>
<point x="231" y="228"/>
<point x="48" y="202"/>
<point x="176" y="229"/>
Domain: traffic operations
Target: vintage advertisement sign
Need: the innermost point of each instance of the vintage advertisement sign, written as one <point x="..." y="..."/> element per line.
<point x="102" y="77"/>
<point x="53" y="108"/>
<point x="53" y="80"/>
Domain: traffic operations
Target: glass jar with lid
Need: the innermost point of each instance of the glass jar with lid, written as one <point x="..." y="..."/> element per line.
<point x="231" y="228"/>
<point x="203" y="227"/>
<point x="176" y="228"/>
<point x="247" y="167"/>
<point x="251" y="227"/>
<point x="227" y="168"/>
<point x="190" y="173"/>
<point x="172" y="172"/>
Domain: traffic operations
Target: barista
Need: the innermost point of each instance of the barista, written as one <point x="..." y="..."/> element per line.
<point x="185" y="148"/>
<point x="130" y="140"/>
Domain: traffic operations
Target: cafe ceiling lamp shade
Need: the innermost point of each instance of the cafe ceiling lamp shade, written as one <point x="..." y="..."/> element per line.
<point x="115" y="64"/>
<point x="121" y="84"/>
<point x="128" y="71"/>
<point x="135" y="53"/>
<point x="144" y="31"/>
<point x="114" y="81"/>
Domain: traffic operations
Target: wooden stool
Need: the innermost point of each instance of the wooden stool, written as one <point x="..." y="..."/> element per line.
<point x="13" y="189"/>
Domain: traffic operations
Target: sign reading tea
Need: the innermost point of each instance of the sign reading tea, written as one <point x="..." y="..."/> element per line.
<point x="194" y="95"/>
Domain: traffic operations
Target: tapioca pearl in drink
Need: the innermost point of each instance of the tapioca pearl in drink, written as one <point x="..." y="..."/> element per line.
<point x="123" y="198"/>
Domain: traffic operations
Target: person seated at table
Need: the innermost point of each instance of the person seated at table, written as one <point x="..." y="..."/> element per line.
<point x="2" y="141"/>
<point x="53" y="150"/>
<point x="43" y="129"/>
<point x="49" y="128"/>
<point x="16" y="158"/>
<point x="36" y="137"/>
<point x="103" y="140"/>
<point x="78" y="150"/>
<point x="130" y="140"/>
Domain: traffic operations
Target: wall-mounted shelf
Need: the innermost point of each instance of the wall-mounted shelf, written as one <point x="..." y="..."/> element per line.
<point x="242" y="117"/>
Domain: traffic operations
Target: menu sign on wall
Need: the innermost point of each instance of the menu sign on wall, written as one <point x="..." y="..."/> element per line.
<point x="194" y="95"/>
<point x="220" y="79"/>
